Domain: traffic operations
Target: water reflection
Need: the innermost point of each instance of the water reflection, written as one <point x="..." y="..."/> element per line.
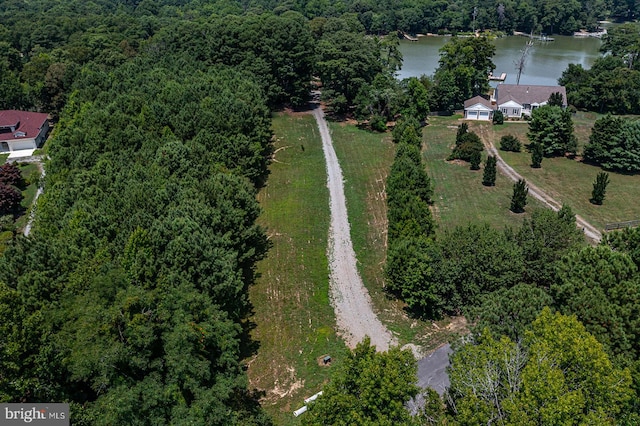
<point x="545" y="62"/>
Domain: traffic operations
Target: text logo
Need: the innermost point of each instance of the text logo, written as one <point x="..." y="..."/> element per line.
<point x="40" y="414"/>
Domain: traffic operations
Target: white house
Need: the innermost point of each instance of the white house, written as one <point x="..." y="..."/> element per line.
<point x="478" y="108"/>
<point x="513" y="100"/>
<point x="517" y="100"/>
<point x="22" y="130"/>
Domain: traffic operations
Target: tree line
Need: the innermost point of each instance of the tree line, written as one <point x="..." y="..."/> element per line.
<point x="537" y="355"/>
<point x="129" y="299"/>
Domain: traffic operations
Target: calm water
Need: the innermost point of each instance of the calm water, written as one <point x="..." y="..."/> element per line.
<point x="544" y="65"/>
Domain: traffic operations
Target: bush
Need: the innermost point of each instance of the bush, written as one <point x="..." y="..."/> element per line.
<point x="510" y="143"/>
<point x="469" y="143"/>
<point x="378" y="123"/>
<point x="10" y="174"/>
<point x="498" y="117"/>
<point x="10" y="198"/>
<point x="475" y="160"/>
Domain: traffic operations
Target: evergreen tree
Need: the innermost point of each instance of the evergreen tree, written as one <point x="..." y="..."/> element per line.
<point x="556" y="99"/>
<point x="498" y="117"/>
<point x="536" y="155"/>
<point x="475" y="160"/>
<point x="519" y="198"/>
<point x="510" y="143"/>
<point x="599" y="188"/>
<point x="462" y="130"/>
<point x="489" y="175"/>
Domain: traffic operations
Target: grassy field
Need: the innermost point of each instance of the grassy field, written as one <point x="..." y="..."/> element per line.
<point x="365" y="159"/>
<point x="571" y="181"/>
<point x="295" y="322"/>
<point x="459" y="196"/>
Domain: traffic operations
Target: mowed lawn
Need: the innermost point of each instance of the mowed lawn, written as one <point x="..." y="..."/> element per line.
<point x="365" y="158"/>
<point x="570" y="181"/>
<point x="294" y="320"/>
<point x="459" y="196"/>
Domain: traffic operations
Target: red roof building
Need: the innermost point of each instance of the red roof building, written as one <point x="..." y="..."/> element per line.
<point x="22" y="130"/>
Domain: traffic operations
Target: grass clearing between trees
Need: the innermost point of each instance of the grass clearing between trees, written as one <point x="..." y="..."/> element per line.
<point x="295" y="321"/>
<point x="570" y="181"/>
<point x="459" y="196"/>
<point x="365" y="158"/>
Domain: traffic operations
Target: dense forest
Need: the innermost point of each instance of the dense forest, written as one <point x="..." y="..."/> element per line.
<point x="129" y="298"/>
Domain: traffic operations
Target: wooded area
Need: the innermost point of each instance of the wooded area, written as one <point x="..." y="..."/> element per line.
<point x="129" y="298"/>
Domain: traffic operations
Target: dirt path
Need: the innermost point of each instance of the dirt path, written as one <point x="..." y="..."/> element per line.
<point x="350" y="299"/>
<point x="32" y="215"/>
<point x="589" y="230"/>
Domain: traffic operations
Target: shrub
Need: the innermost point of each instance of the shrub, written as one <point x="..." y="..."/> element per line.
<point x="475" y="160"/>
<point x="469" y="143"/>
<point x="10" y="198"/>
<point x="498" y="117"/>
<point x="378" y="123"/>
<point x="489" y="175"/>
<point x="510" y="143"/>
<point x="10" y="174"/>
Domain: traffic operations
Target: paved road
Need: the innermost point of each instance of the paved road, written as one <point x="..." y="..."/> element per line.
<point x="432" y="373"/>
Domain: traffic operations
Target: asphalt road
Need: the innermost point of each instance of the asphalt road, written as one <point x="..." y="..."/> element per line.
<point x="432" y="373"/>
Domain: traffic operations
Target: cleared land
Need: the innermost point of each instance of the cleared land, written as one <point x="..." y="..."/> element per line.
<point x="351" y="301"/>
<point x="295" y="322"/>
<point x="459" y="196"/>
<point x="366" y="158"/>
<point x="570" y="181"/>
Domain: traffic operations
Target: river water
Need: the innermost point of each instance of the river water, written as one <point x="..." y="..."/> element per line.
<point x="544" y="64"/>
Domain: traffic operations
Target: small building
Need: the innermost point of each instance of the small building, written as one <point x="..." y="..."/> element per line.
<point x="20" y="130"/>
<point x="517" y="100"/>
<point x="513" y="100"/>
<point x="478" y="108"/>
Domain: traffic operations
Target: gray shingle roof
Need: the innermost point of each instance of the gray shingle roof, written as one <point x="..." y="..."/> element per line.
<point x="528" y="94"/>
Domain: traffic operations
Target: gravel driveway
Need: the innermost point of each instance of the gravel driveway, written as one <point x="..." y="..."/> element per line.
<point x="349" y="297"/>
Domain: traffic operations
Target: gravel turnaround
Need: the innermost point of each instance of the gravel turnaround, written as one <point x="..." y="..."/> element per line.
<point x="351" y="301"/>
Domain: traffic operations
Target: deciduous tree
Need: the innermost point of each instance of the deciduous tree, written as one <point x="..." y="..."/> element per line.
<point x="552" y="128"/>
<point x="369" y="388"/>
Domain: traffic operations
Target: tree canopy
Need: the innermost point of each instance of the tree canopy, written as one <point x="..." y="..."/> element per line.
<point x="557" y="374"/>
<point x="369" y="388"/>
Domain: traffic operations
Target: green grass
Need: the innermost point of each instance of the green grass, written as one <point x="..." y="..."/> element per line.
<point x="459" y="196"/>
<point x="570" y="181"/>
<point x="31" y="175"/>
<point x="365" y="158"/>
<point x="295" y="321"/>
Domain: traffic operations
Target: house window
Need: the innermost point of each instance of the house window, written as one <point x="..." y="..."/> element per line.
<point x="504" y="110"/>
<point x="516" y="111"/>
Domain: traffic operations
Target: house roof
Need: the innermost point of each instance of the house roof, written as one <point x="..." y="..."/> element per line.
<point x="27" y="125"/>
<point x="528" y="94"/>
<point x="477" y="100"/>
